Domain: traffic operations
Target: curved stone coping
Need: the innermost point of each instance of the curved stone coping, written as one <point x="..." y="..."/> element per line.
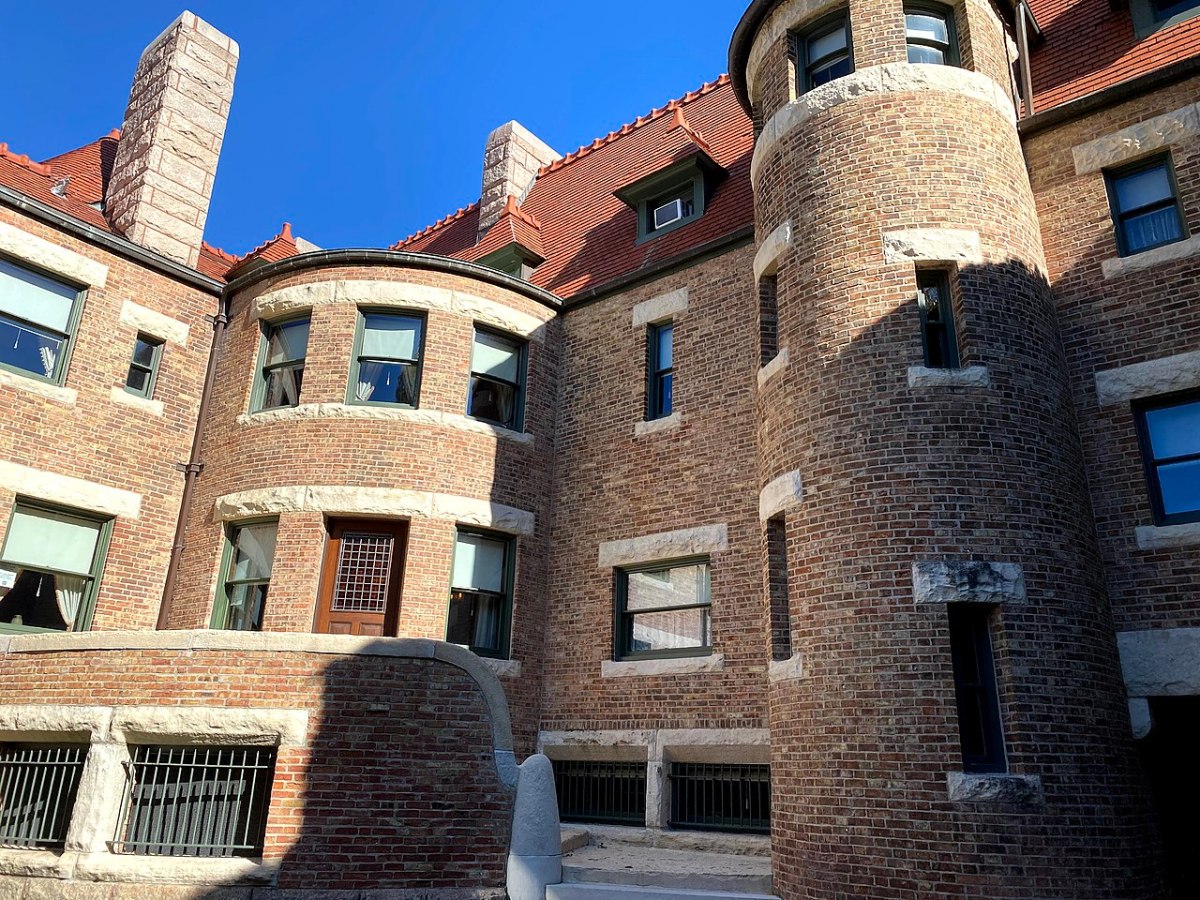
<point x="297" y="298"/>
<point x="373" y="501"/>
<point x="431" y="417"/>
<point x="1164" y="375"/>
<point x="890" y="78"/>
<point x="780" y="494"/>
<point x="649" y="668"/>
<point x="263" y="642"/>
<point x="766" y="260"/>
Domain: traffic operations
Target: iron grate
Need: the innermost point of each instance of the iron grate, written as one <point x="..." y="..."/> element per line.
<point x="721" y="797"/>
<point x="196" y="801"/>
<point x="603" y="793"/>
<point x="38" y="784"/>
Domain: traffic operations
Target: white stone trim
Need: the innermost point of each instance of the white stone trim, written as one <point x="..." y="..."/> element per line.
<point x="943" y="245"/>
<point x="1141" y="722"/>
<point x="394" y="502"/>
<point x="112" y="867"/>
<point x="67" y="491"/>
<point x="153" y="323"/>
<point x="666" y="545"/>
<point x="141" y="404"/>
<point x="64" y="395"/>
<point x="1138" y="139"/>
<point x="660" y="308"/>
<point x="656" y="426"/>
<point x="1167" y="537"/>
<point x="298" y="298"/>
<point x="998" y="788"/>
<point x="780" y="494"/>
<point x="966" y="377"/>
<point x="210" y="725"/>
<point x="503" y="668"/>
<point x="1161" y="662"/>
<point x="774" y="367"/>
<point x="967" y="581"/>
<point x="429" y="417"/>
<point x="786" y="669"/>
<point x="1148" y="379"/>
<point x="650" y="668"/>
<point x="890" y="78"/>
<point x="31" y="249"/>
<point x="770" y="252"/>
<point x="1123" y="265"/>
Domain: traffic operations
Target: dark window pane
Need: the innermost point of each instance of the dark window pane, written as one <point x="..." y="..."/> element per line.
<point x="38" y="599"/>
<point x="1165" y="9"/>
<point x="138" y="380"/>
<point x="474" y="620"/>
<point x="246" y="603"/>
<point x="828" y="71"/>
<point x="493" y="401"/>
<point x="1151" y="229"/>
<point x="919" y="53"/>
<point x="1143" y="189"/>
<point x="684" y="629"/>
<point x="666" y="337"/>
<point x="1180" y="485"/>
<point x="283" y="387"/>
<point x="143" y="352"/>
<point x="287" y="342"/>
<point x="28" y="349"/>
<point x="387" y="382"/>
<point x="1174" y="430"/>
<point x="664" y="394"/>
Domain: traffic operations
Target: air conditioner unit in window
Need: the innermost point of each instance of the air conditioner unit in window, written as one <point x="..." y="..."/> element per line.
<point x="668" y="213"/>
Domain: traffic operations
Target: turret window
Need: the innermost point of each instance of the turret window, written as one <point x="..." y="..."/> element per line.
<point x="387" y="359"/>
<point x="282" y="369"/>
<point x="937" y="319"/>
<point x="824" y="52"/>
<point x="929" y="33"/>
<point x="497" y="393"/>
<point x="981" y="730"/>
<point x="38" y="315"/>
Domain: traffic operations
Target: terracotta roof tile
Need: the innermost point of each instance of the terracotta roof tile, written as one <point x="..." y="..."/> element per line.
<point x="515" y="226"/>
<point x="89" y="167"/>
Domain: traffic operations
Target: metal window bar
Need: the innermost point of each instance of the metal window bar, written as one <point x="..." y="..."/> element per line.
<point x="196" y="801"/>
<point x="38" y="783"/>
<point x="601" y="793"/>
<point x="721" y="797"/>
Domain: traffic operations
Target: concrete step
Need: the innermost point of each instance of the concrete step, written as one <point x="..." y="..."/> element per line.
<point x="636" y="892"/>
<point x="659" y="867"/>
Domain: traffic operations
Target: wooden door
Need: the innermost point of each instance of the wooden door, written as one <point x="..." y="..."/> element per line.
<point x="361" y="578"/>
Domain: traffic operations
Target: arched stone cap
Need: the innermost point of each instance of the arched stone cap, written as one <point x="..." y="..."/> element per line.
<point x="208" y="641"/>
<point x="403" y="259"/>
<point x="752" y="20"/>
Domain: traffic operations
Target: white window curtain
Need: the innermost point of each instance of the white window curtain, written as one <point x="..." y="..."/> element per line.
<point x="68" y="593"/>
<point x="369" y="374"/>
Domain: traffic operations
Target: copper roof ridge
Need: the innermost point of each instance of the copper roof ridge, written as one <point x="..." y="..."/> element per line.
<point x="655" y="114"/>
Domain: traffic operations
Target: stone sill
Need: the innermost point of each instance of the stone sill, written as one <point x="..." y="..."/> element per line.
<point x="65" y="396"/>
<point x="655" y="426"/>
<point x="785" y="669"/>
<point x="1123" y="265"/>
<point x="685" y="665"/>
<point x="115" y="867"/>
<point x="1024" y="791"/>
<point x="1167" y="537"/>
<point x="774" y="367"/>
<point x="142" y="404"/>
<point x="503" y="668"/>
<point x="413" y="416"/>
<point x="967" y="377"/>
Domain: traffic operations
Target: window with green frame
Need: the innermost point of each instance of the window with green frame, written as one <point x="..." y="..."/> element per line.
<point x="386" y="367"/>
<point x="673" y="196"/>
<point x="143" y="368"/>
<point x="281" y="366"/>
<point x="823" y="52"/>
<point x="930" y="34"/>
<point x="497" y="392"/>
<point x="663" y="610"/>
<point x="50" y="568"/>
<point x="38" y="318"/>
<point x="481" y="590"/>
<point x="249" y="557"/>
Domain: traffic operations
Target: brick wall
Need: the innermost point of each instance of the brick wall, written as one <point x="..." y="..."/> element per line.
<point x="110" y="443"/>
<point x="1108" y="323"/>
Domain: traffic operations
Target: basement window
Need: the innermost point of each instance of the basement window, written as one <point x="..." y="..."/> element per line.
<point x="601" y="793"/>
<point x="196" y="801"/>
<point x="721" y="797"/>
<point x="38" y="785"/>
<point x="38" y="317"/>
<point x="664" y="610"/>
<point x="281" y="366"/>
<point x="50" y="569"/>
<point x="143" y="368"/>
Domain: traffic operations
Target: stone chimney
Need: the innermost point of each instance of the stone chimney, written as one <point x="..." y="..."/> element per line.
<point x="510" y="164"/>
<point x="162" y="178"/>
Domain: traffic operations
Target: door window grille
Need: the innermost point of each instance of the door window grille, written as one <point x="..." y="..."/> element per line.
<point x="602" y="793"/>
<point x="364" y="572"/>
<point x="38" y="784"/>
<point x="721" y="797"/>
<point x="196" y="801"/>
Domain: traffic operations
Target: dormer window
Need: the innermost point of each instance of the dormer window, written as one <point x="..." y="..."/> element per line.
<point x="672" y="197"/>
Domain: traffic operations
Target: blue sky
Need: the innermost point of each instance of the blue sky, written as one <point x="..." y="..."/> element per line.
<point x="361" y="122"/>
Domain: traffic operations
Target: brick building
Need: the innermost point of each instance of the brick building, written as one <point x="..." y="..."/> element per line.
<point x="817" y="455"/>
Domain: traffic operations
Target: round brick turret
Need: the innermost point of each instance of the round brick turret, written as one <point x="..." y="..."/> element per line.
<point x="908" y="489"/>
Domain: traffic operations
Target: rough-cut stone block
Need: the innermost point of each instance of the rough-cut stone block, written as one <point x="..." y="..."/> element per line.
<point x="967" y="377"/>
<point x="1148" y="379"/>
<point x="705" y="539"/>
<point x="1123" y="265"/>
<point x="511" y="160"/>
<point x="932" y="245"/>
<point x="963" y="581"/>
<point x="1000" y="789"/>
<point x="655" y="426"/>
<point x="69" y="491"/>
<point x="660" y="308"/>
<point x="28" y="248"/>
<point x="1137" y="140"/>
<point x="1160" y="662"/>
<point x="1166" y="537"/>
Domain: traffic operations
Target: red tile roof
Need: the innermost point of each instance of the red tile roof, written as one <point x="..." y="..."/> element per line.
<point x="515" y="226"/>
<point x="589" y="235"/>
<point x="89" y="167"/>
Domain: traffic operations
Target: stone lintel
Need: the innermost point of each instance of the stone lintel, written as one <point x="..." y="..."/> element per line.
<point x="153" y="323"/>
<point x="781" y="494"/>
<point x="664" y="546"/>
<point x="941" y="245"/>
<point x="69" y="491"/>
<point x="42" y="254"/>
<point x="1148" y="379"/>
<point x="770" y="252"/>
<point x="967" y="581"/>
<point x="660" y="308"/>
<point x="1137" y="140"/>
